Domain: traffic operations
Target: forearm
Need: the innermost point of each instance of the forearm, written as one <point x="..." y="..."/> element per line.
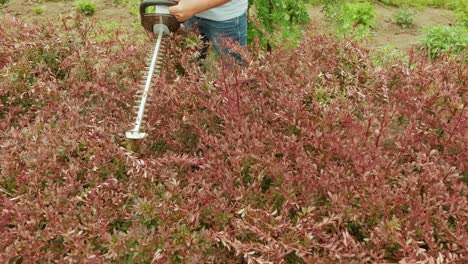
<point x="187" y="8"/>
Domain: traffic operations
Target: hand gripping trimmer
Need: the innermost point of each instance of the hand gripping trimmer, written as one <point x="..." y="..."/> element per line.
<point x="155" y="17"/>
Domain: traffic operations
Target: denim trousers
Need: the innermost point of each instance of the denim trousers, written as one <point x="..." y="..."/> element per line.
<point x="217" y="32"/>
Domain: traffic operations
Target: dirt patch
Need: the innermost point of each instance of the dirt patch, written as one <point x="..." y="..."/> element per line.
<point x="387" y="33"/>
<point x="106" y="11"/>
<point x="318" y="18"/>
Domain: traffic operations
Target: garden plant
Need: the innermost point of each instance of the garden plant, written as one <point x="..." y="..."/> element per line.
<point x="87" y="7"/>
<point x="404" y="18"/>
<point x="275" y="22"/>
<point x="326" y="157"/>
<point x="440" y="40"/>
<point x="351" y="19"/>
<point x="38" y="9"/>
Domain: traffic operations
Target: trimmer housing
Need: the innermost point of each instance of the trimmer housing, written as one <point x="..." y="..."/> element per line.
<point x="153" y="12"/>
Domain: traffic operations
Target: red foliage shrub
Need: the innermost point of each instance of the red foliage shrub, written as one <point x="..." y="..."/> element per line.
<point x="324" y="157"/>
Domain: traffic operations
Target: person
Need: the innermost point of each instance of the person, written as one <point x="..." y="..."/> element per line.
<point x="216" y="20"/>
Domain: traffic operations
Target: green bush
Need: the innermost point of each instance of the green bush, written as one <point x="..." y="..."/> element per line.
<point x="462" y="17"/>
<point x="461" y="12"/>
<point x="2" y="2"/>
<point x="359" y="14"/>
<point x="87" y="7"/>
<point x="277" y="22"/>
<point x="38" y="9"/>
<point x="355" y="18"/>
<point x="404" y="18"/>
<point x="442" y="39"/>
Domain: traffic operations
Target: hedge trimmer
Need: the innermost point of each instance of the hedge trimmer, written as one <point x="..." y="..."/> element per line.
<point x="155" y="17"/>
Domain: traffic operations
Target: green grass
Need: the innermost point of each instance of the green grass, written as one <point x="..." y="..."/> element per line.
<point x="404" y="18"/>
<point x="461" y="12"/>
<point x="388" y="55"/>
<point x="87" y="7"/>
<point x="462" y="17"/>
<point x="355" y="19"/>
<point x="38" y="10"/>
<point x="442" y="39"/>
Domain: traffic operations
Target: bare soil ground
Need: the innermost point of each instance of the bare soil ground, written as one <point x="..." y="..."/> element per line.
<point x="387" y="32"/>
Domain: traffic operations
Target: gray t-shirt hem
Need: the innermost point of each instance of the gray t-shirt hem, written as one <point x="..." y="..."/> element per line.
<point x="227" y="11"/>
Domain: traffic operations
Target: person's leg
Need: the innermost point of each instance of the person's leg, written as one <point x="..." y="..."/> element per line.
<point x="218" y="32"/>
<point x="190" y="24"/>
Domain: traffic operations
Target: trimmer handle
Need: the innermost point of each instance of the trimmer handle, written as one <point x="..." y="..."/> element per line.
<point x="160" y="16"/>
<point x="147" y="3"/>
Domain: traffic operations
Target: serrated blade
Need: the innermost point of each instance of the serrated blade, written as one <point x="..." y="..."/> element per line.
<point x="142" y="98"/>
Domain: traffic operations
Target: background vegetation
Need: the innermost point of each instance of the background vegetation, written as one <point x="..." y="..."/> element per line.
<point x="273" y="22"/>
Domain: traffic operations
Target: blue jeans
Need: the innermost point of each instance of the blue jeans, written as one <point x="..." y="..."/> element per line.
<point x="216" y="32"/>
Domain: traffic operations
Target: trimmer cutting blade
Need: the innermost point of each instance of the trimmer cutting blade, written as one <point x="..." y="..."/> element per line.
<point x="155" y="17"/>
